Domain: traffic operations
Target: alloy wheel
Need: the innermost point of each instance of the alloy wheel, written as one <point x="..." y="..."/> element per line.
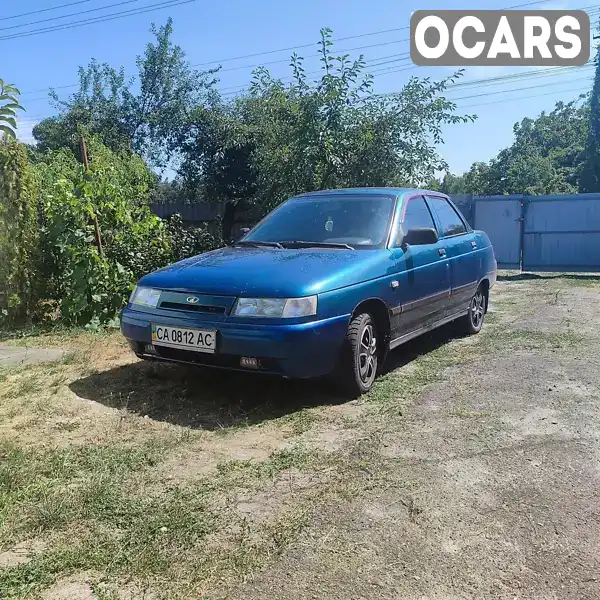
<point x="367" y="356"/>
<point x="477" y="309"/>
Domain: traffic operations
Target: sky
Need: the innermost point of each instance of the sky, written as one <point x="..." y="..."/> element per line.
<point x="213" y="33"/>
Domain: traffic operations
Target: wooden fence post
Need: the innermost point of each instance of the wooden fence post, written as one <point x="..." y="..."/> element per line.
<point x="86" y="165"/>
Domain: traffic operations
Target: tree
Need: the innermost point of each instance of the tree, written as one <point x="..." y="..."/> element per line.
<point x="590" y="176"/>
<point x="477" y="179"/>
<point x="169" y="90"/>
<point x="217" y="147"/>
<point x="9" y="105"/>
<point x="336" y="132"/>
<point x="278" y="140"/>
<point x="89" y="288"/>
<point x="98" y="106"/>
<point x="453" y="184"/>
<point x="125" y="117"/>
<point x="545" y="158"/>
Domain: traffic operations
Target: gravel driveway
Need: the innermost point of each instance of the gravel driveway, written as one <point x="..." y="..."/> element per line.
<point x="490" y="487"/>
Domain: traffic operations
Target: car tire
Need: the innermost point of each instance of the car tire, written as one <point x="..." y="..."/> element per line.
<point x="359" y="360"/>
<point x="473" y="320"/>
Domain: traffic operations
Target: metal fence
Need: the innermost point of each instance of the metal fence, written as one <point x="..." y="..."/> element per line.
<point x="558" y="233"/>
<point x="533" y="233"/>
<point x="500" y="218"/>
<point x="561" y="233"/>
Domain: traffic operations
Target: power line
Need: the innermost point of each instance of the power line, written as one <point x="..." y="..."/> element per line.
<point x="175" y="2"/>
<point x="547" y="72"/>
<point x="287" y="60"/>
<point x="390" y="70"/>
<point x="82" y="12"/>
<point x="493" y="93"/>
<point x="100" y="20"/>
<point x="404" y="55"/>
<point x="311" y="45"/>
<point x="42" y="10"/>
<point x="407" y="54"/>
<point x="216" y="62"/>
<point x="529" y="87"/>
<point x="231" y="58"/>
<point x="112" y="17"/>
<point x="47" y="89"/>
<point x="253" y="66"/>
<point x="586" y="89"/>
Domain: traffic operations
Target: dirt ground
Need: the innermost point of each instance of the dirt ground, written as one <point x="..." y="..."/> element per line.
<point x="471" y="471"/>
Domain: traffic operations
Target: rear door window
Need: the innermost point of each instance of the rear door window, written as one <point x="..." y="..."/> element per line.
<point x="450" y="221"/>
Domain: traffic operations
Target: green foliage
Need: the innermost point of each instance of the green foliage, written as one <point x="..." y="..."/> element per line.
<point x="18" y="232"/>
<point x="590" y="177"/>
<point x="337" y="133"/>
<point x="169" y="89"/>
<point x="252" y="153"/>
<point x="9" y="104"/>
<point x="138" y="121"/>
<point x="96" y="107"/>
<point x="90" y="288"/>
<point x="545" y="158"/>
<point x="278" y="140"/>
<point x="453" y="184"/>
<point x="189" y="241"/>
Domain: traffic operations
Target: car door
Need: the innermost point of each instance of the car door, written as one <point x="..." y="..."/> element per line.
<point x="423" y="274"/>
<point x="461" y="249"/>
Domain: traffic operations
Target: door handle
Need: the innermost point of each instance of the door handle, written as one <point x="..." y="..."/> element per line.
<point x="442" y="252"/>
<point x="473" y="245"/>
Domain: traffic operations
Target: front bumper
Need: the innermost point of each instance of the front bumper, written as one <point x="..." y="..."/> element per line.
<point x="296" y="350"/>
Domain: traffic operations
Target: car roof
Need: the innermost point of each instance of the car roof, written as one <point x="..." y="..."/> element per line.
<point x="374" y="191"/>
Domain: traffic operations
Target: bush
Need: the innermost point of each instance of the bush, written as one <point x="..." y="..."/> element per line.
<point x="189" y="241"/>
<point x="91" y="288"/>
<point x="47" y="242"/>
<point x="18" y="233"/>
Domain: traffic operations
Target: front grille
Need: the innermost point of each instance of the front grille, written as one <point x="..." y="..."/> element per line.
<point x="218" y="310"/>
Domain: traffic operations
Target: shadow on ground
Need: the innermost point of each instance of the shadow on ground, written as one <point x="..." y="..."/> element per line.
<point x="211" y="399"/>
<point x="542" y="276"/>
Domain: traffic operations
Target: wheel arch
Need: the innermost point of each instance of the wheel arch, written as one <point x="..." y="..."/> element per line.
<point x="486" y="284"/>
<point x="380" y="312"/>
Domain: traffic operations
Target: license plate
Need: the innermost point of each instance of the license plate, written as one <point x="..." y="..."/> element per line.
<point x="200" y="340"/>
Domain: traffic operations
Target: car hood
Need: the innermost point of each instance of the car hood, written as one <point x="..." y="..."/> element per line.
<point x="271" y="272"/>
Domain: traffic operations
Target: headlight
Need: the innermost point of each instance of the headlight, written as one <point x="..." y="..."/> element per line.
<point x="145" y="296"/>
<point x="276" y="307"/>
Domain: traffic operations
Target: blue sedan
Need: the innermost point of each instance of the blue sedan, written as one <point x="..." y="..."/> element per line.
<point x="327" y="283"/>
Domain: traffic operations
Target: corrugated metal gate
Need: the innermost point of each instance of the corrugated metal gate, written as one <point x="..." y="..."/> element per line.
<point x="542" y="233"/>
<point x="562" y="233"/>
<point x="500" y="217"/>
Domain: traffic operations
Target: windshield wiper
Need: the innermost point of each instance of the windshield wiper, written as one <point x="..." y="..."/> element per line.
<point x="303" y="244"/>
<point x="257" y="243"/>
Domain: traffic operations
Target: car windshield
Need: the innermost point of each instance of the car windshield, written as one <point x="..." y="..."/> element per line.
<point x="357" y="221"/>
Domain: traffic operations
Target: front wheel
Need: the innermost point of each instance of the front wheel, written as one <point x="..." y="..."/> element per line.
<point x="473" y="320"/>
<point x="359" y="360"/>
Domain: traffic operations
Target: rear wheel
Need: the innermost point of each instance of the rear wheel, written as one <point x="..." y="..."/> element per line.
<point x="473" y="321"/>
<point x="359" y="360"/>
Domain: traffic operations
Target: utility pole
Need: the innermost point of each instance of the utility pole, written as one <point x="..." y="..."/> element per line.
<point x="86" y="166"/>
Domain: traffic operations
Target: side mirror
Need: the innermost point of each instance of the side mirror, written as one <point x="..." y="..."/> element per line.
<point x="243" y="232"/>
<point x="419" y="236"/>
